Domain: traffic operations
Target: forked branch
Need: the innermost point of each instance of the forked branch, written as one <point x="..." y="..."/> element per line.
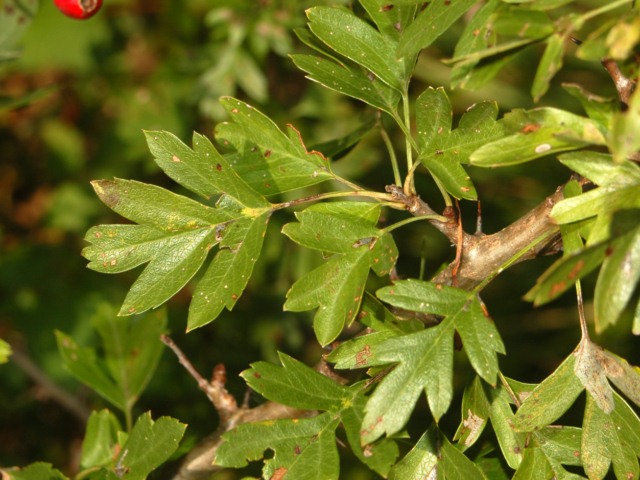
<point x="480" y="255"/>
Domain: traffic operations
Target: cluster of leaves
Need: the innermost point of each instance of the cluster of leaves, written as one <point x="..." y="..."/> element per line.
<point x="174" y="234"/>
<point x="130" y="355"/>
<point x="239" y="186"/>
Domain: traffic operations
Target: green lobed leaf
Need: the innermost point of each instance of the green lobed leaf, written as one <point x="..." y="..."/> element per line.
<point x="550" y="399"/>
<point x="149" y="445"/>
<point x="354" y="38"/>
<point x="35" y="471"/>
<point x="296" y="385"/>
<point x="131" y="348"/>
<point x="425" y="363"/>
<point x="268" y="160"/>
<point x="349" y="80"/>
<point x="549" y="65"/>
<point x="303" y="448"/>
<point x="175" y="237"/>
<point x="421" y="461"/>
<point x="84" y="364"/>
<point x="617" y="279"/>
<point x="202" y="170"/>
<point x="100" y="439"/>
<point x="336" y="288"/>
<point x="479" y="336"/>
<point x="429" y="24"/>
<point x="227" y="275"/>
<point x="540" y="132"/>
<point x="442" y="150"/>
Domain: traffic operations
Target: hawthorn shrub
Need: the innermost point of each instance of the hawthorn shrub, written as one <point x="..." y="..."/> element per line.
<point x="390" y="338"/>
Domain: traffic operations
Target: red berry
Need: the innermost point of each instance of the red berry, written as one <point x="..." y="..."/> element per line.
<point x="79" y="9"/>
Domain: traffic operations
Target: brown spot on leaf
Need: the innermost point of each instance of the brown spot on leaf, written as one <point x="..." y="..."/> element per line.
<point x="558" y="287"/>
<point x="576" y="269"/>
<point x="267" y="153"/>
<point x="386" y="8"/>
<point x="297" y="450"/>
<point x="257" y="375"/>
<point x="362" y="357"/>
<point x="530" y="127"/>
<point x="218" y="167"/>
<point x="279" y="473"/>
<point x="234" y="110"/>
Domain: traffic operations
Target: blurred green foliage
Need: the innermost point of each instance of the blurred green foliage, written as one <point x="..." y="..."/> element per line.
<point x="74" y="98"/>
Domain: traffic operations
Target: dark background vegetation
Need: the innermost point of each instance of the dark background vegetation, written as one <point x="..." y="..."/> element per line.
<point x="150" y="64"/>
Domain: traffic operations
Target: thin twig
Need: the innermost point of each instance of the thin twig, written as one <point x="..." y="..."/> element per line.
<point x="624" y="85"/>
<point x="53" y="391"/>
<point x="222" y="400"/>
